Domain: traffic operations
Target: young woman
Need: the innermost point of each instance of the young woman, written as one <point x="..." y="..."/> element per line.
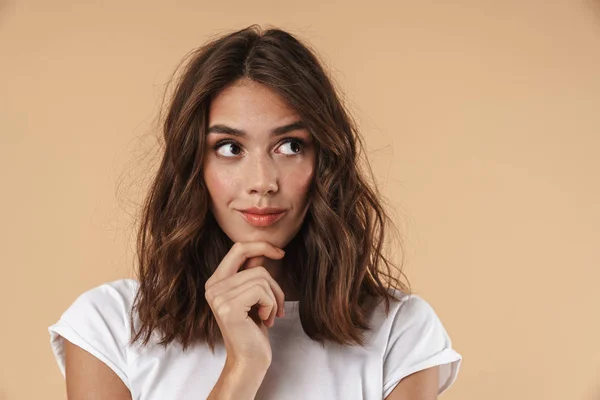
<point x="260" y="253"/>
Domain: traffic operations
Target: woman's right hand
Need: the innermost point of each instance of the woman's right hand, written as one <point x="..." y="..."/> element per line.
<point x="231" y="296"/>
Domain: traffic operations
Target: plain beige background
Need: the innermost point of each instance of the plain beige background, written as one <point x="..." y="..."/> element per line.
<point x="482" y="120"/>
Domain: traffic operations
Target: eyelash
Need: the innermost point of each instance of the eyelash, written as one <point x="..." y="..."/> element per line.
<point x="220" y="143"/>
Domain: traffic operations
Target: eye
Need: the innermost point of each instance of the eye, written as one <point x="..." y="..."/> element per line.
<point x="224" y="144"/>
<point x="295" y="142"/>
<point x="296" y="145"/>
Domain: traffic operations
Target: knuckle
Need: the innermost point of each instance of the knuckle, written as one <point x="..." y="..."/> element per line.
<point x="223" y="309"/>
<point x="266" y="284"/>
<point x="239" y="248"/>
<point x="211" y="293"/>
<point x="263" y="284"/>
<point x="266" y="288"/>
<point x="216" y="301"/>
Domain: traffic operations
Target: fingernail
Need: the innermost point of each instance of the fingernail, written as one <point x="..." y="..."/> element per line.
<point x="281" y="251"/>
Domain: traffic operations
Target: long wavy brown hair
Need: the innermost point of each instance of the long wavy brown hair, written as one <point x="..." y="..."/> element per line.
<point x="337" y="258"/>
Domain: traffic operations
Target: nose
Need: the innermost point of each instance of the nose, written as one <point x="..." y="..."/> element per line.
<point x="261" y="176"/>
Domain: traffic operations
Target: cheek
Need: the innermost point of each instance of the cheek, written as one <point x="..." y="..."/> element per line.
<point x="220" y="183"/>
<point x="299" y="181"/>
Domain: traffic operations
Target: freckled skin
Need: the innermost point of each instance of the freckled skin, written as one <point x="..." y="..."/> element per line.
<point x="259" y="170"/>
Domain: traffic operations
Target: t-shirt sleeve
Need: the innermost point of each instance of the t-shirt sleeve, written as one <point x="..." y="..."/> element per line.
<point x="418" y="341"/>
<point x="98" y="322"/>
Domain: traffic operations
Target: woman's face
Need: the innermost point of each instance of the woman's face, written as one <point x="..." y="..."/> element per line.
<point x="257" y="156"/>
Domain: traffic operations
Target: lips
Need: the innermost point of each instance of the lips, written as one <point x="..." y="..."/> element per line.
<point x="259" y="217"/>
<point x="264" y="210"/>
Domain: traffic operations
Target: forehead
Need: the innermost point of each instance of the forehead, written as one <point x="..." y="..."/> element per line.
<point x="249" y="103"/>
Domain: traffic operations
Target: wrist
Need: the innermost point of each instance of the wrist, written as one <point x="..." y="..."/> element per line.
<point x="246" y="369"/>
<point x="239" y="381"/>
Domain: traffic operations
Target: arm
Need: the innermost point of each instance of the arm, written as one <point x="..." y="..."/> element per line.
<point x="422" y="385"/>
<point x="88" y="378"/>
<point x="237" y="382"/>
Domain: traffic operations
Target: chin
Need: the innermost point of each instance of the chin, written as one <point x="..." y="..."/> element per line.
<point x="274" y="238"/>
<point x="257" y="235"/>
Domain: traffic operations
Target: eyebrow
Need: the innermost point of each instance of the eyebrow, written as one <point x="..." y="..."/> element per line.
<point x="218" y="128"/>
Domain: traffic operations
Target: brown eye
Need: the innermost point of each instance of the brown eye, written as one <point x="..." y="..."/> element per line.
<point x="227" y="144"/>
<point x="294" y="144"/>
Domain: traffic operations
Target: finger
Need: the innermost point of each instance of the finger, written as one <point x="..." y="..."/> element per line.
<point x="247" y="275"/>
<point x="246" y="295"/>
<point x="253" y="262"/>
<point x="267" y="305"/>
<point x="238" y="254"/>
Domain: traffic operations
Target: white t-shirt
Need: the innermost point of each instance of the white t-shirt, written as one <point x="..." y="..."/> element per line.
<point x="410" y="339"/>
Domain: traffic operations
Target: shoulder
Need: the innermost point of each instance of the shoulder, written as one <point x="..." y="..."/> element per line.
<point x="121" y="291"/>
<point x="98" y="321"/>
<point x="405" y="310"/>
<point x="108" y="304"/>
<point x="410" y="309"/>
<point x="412" y="319"/>
<point x="112" y="301"/>
<point x="416" y="340"/>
